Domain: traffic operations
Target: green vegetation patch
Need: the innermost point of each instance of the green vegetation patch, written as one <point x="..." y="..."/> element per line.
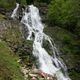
<point x="9" y="68"/>
<point x="7" y="4"/>
<point x="63" y="13"/>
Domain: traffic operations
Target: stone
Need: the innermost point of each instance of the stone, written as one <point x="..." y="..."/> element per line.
<point x="33" y="78"/>
<point x="32" y="75"/>
<point x="36" y="71"/>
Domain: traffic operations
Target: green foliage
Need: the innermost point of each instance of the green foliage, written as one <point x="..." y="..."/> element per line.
<point x="22" y="2"/>
<point x="9" y="68"/>
<point x="74" y="75"/>
<point x="65" y="13"/>
<point x="7" y="4"/>
<point x="77" y="29"/>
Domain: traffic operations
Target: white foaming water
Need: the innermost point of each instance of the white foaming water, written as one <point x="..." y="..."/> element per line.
<point x="48" y="64"/>
<point x="14" y="14"/>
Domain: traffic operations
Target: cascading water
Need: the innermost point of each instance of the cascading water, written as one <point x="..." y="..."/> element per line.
<point x="52" y="65"/>
<point x="15" y="11"/>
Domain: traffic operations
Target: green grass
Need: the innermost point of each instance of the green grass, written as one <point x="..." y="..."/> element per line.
<point x="9" y="68"/>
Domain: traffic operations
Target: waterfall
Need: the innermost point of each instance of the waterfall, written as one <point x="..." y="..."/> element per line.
<point x="52" y="65"/>
<point x="14" y="14"/>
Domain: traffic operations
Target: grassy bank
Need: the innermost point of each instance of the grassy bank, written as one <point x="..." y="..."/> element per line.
<point x="9" y="68"/>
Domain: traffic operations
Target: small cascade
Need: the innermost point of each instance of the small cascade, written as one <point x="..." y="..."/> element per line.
<point x="52" y="65"/>
<point x="14" y="14"/>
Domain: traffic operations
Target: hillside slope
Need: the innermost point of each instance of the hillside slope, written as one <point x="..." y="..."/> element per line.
<point x="9" y="68"/>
